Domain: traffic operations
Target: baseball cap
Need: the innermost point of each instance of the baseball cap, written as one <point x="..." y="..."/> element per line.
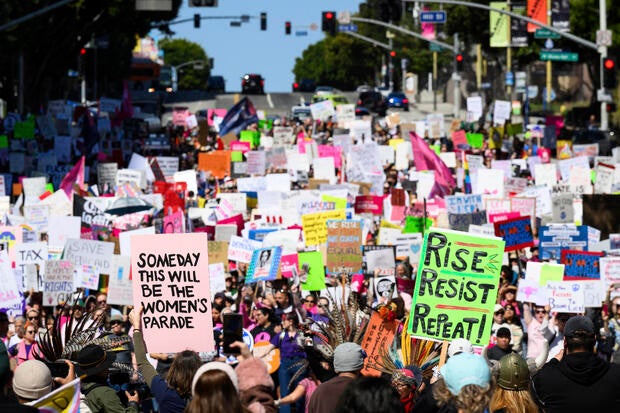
<point x="578" y="323"/>
<point x="32" y="380"/>
<point x="498" y="307"/>
<point x="464" y="369"/>
<point x="460" y="345"/>
<point x="348" y="357"/>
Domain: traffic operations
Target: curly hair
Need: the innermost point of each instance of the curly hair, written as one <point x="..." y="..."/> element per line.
<point x="513" y="401"/>
<point x="471" y="398"/>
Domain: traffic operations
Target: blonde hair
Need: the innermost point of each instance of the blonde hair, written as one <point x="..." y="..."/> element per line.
<point x="471" y="398"/>
<point x="513" y="401"/>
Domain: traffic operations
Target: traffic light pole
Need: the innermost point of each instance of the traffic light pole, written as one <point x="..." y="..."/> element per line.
<point x="602" y="6"/>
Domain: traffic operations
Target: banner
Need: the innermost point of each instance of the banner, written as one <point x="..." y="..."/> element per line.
<point x="377" y="339"/>
<point x="369" y="204"/>
<point x="518" y="28"/>
<point x="560" y="14"/>
<point x="536" y="10"/>
<point x="170" y="275"/>
<point x="65" y="399"/>
<point x="456" y="287"/>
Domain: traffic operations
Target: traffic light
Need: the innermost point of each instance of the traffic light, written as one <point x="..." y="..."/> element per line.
<point x="196" y="21"/>
<point x="202" y="3"/>
<point x="328" y="22"/>
<point x="392" y="53"/>
<point x="459" y="62"/>
<point x="287" y="28"/>
<point x="263" y="21"/>
<point x="609" y="73"/>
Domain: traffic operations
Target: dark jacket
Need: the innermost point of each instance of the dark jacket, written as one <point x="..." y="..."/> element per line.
<point x="581" y="382"/>
<point x="103" y="399"/>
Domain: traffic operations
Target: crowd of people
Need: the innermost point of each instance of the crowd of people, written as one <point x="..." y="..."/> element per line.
<point x="305" y="353"/>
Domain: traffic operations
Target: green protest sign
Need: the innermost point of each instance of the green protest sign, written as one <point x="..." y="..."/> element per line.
<point x="265" y="124"/>
<point x="415" y="224"/>
<point x="236" y="156"/>
<point x="316" y="270"/>
<point x="24" y="130"/>
<point x="456" y="287"/>
<point x="475" y="140"/>
<point x="251" y="136"/>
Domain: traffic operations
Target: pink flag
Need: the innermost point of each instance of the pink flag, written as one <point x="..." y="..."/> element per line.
<point x="75" y="176"/>
<point x="426" y="159"/>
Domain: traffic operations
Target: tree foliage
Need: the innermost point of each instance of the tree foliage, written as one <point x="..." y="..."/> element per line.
<point x="50" y="45"/>
<point x="180" y="51"/>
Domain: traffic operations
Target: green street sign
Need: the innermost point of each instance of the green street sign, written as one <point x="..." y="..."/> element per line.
<point x="546" y="34"/>
<point x="559" y="56"/>
<point x="434" y="47"/>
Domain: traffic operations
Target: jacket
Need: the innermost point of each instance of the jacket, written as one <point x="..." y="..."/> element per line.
<point x="579" y="382"/>
<point x="103" y="399"/>
<point x="255" y="386"/>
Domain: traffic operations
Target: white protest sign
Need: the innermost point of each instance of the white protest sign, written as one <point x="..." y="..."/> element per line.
<point x="563" y="211"/>
<point x="474" y="106"/>
<point x="565" y="296"/>
<point x="58" y="282"/>
<point x="217" y="275"/>
<point x="605" y="174"/>
<point x="62" y="228"/>
<point x="345" y="113"/>
<point x="9" y="290"/>
<point x="99" y="254"/>
<point x="119" y="284"/>
<point x="31" y="253"/>
<point x="501" y="111"/>
<point x="241" y="249"/>
<point x="322" y="110"/>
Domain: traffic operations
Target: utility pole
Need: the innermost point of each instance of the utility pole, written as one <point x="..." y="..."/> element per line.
<point x="390" y="37"/>
<point x="602" y="14"/>
<point x="549" y="75"/>
<point x="456" y="77"/>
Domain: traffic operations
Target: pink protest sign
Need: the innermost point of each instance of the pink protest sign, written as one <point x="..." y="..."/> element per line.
<point x="171" y="283"/>
<point x="240" y="146"/>
<point x="372" y="204"/>
<point x="327" y="151"/>
<point x="215" y="116"/>
<point x="288" y="265"/>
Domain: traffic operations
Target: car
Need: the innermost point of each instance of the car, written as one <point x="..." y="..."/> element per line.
<point x="373" y="101"/>
<point x="363" y="88"/>
<point x="605" y="140"/>
<point x="216" y="84"/>
<point x="325" y="90"/>
<point x="253" y="84"/>
<point x="300" y="113"/>
<point x="398" y="100"/>
<point x="304" y="85"/>
<point x="335" y="98"/>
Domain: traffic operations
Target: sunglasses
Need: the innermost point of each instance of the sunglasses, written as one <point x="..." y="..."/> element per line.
<point x="101" y="302"/>
<point x="309" y="301"/>
<point x="114" y="323"/>
<point x="30" y="332"/>
<point x="499" y="312"/>
<point x="33" y="318"/>
<point x="541" y="311"/>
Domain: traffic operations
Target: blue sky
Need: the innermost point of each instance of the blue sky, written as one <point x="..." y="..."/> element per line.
<point x="247" y="49"/>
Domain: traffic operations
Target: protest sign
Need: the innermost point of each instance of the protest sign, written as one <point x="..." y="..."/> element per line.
<point x="370" y="204"/>
<point x="604" y="178"/>
<point x="241" y="249"/>
<point x="565" y="296"/>
<point x="216" y="162"/>
<point x="264" y="265"/>
<point x="380" y="261"/>
<point x="557" y="237"/>
<point x="288" y="265"/>
<point x="581" y="265"/>
<point x="315" y="225"/>
<point x="464" y="204"/>
<point x="65" y="399"/>
<point x="10" y="291"/>
<point x="218" y="253"/>
<point x="120" y="291"/>
<point x="610" y="270"/>
<point x="217" y="278"/>
<point x="461" y="222"/>
<point x="31" y="253"/>
<point x="96" y="253"/>
<point x="58" y="285"/>
<point x="344" y="251"/>
<point x="377" y="339"/>
<point x="171" y="282"/>
<point x="562" y="211"/>
<point x="456" y="287"/>
<point x="313" y="260"/>
<point x="416" y="224"/>
<point x="516" y="232"/>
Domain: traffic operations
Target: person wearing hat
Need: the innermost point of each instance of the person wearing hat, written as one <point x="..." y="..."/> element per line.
<point x="512" y="394"/>
<point x="7" y="402"/>
<point x="93" y="364"/>
<point x="577" y="380"/>
<point x="408" y="383"/>
<point x="465" y="385"/>
<point x="498" y="322"/>
<point x="348" y="363"/>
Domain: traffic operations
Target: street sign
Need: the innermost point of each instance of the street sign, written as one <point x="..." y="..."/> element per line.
<point x="603" y="38"/>
<point x="546" y="34"/>
<point x="510" y="79"/>
<point x="559" y="56"/>
<point x="344" y="17"/>
<point x="301" y="33"/>
<point x="347" y="28"/>
<point x="434" y="47"/>
<point x="433" y="17"/>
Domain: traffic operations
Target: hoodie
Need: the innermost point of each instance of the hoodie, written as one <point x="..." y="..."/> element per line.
<point x="579" y="382"/>
<point x="255" y="386"/>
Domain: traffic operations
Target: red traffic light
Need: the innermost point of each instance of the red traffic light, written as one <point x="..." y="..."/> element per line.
<point x="609" y="64"/>
<point x="459" y="58"/>
<point x="83" y="51"/>
<point x="329" y="15"/>
<point x="393" y="53"/>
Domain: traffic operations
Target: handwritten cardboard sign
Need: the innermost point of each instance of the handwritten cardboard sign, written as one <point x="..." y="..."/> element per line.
<point x="58" y="285"/>
<point x="456" y="287"/>
<point x="315" y="225"/>
<point x="555" y="238"/>
<point x="171" y="282"/>
<point x="377" y="338"/>
<point x="344" y="252"/>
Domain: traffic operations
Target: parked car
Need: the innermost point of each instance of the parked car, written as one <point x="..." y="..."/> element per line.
<point x="335" y="98"/>
<point x="606" y="140"/>
<point x="363" y="88"/>
<point x="325" y="90"/>
<point x="373" y="101"/>
<point x="253" y="84"/>
<point x="398" y="100"/>
<point x="304" y="85"/>
<point x="216" y="84"/>
<point x="300" y="113"/>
